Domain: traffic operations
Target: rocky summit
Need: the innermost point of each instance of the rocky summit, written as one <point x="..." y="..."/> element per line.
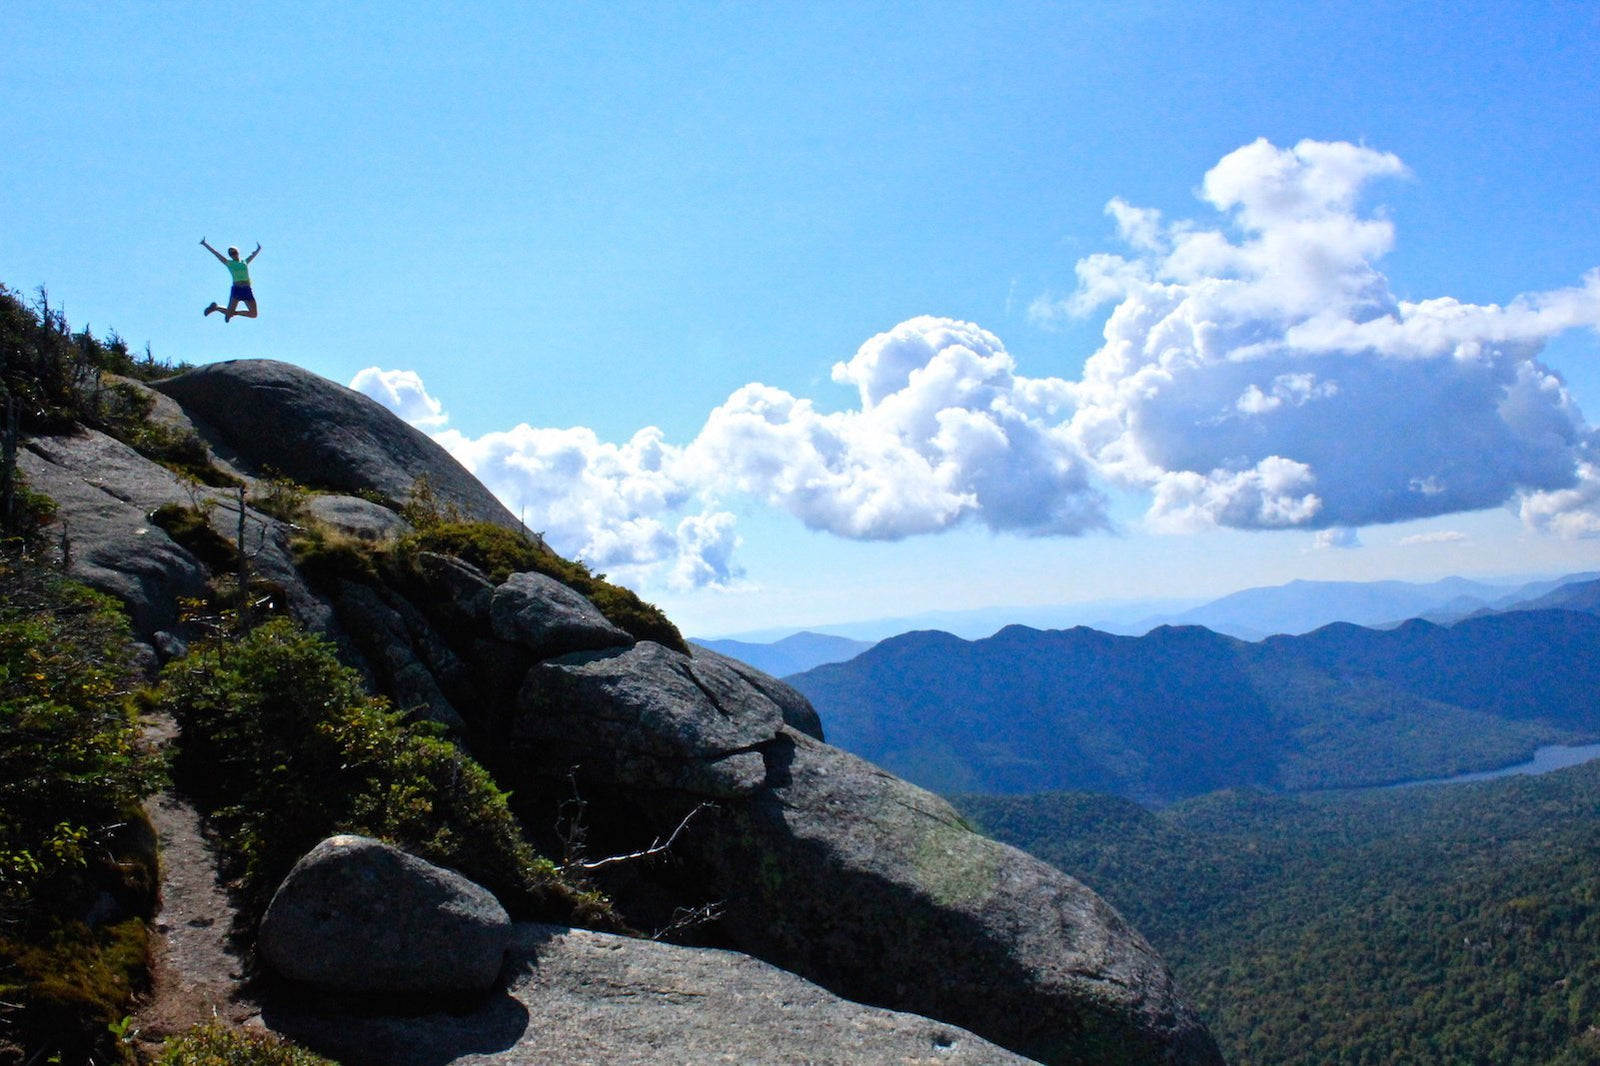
<point x="845" y="915"/>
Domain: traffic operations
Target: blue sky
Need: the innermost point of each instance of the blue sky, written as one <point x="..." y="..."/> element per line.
<point x="548" y="228"/>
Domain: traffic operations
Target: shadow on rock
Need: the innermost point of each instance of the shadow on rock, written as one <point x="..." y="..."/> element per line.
<point x="375" y="1033"/>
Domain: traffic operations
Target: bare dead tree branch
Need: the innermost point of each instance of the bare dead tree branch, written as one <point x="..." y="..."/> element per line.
<point x="685" y="918"/>
<point x="656" y="847"/>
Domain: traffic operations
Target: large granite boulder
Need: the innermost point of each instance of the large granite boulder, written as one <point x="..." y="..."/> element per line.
<point x="264" y="415"/>
<point x="878" y="890"/>
<point x="356" y="915"/>
<point x="547" y="618"/>
<point x="646" y="717"/>
<point x="797" y="710"/>
<point x="591" y="999"/>
<point x="825" y="865"/>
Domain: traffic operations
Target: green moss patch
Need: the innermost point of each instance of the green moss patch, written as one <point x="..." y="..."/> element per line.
<point x="500" y="552"/>
<point x="214" y="1044"/>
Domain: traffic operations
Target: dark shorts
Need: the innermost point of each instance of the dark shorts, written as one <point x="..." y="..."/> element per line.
<point x="241" y="292"/>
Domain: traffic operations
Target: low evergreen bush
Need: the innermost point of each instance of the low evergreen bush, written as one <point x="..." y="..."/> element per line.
<point x="77" y="860"/>
<point x="500" y="552"/>
<point x="283" y="745"/>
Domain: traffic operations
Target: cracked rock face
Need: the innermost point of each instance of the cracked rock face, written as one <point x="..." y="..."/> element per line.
<point x="648" y="717"/>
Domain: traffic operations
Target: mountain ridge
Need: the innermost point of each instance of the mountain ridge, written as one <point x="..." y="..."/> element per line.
<point x="791" y="655"/>
<point x="1184" y="710"/>
<point x="1293" y="607"/>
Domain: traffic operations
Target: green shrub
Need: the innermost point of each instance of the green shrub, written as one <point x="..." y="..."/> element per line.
<point x="500" y="552"/>
<point x="71" y="762"/>
<point x="189" y="527"/>
<point x="56" y="373"/>
<point x="72" y="773"/>
<point x="213" y="1044"/>
<point x="31" y="512"/>
<point x="284" y="746"/>
<point x="324" y="557"/>
<point x="284" y="499"/>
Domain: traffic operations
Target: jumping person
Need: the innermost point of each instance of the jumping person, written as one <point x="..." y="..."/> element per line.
<point x="241" y="293"/>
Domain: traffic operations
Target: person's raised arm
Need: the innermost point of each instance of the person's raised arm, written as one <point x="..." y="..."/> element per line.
<point x="220" y="257"/>
<point x="252" y="256"/>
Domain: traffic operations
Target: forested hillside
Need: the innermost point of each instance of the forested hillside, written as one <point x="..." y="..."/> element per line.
<point x="1184" y="711"/>
<point x="1426" y="925"/>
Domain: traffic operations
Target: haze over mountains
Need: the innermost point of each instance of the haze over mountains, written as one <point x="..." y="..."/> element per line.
<point x="1250" y="614"/>
<point x="792" y="654"/>
<point x="1301" y="606"/>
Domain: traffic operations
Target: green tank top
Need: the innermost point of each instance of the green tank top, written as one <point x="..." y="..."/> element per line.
<point x="240" y="271"/>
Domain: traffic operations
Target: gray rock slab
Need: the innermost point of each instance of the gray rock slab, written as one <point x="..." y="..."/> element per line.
<point x="539" y="613"/>
<point x="797" y="709"/>
<point x="591" y="999"/>
<point x="264" y="414"/>
<point x="879" y="891"/>
<point x="104" y="492"/>
<point x="356" y="915"/>
<point x="356" y="517"/>
<point x="648" y="717"/>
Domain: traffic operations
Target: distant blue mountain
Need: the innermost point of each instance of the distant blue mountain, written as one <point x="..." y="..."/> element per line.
<point x="1297" y="607"/>
<point x="1302" y="606"/>
<point x="791" y="655"/>
<point x="1572" y="596"/>
<point x="1183" y="710"/>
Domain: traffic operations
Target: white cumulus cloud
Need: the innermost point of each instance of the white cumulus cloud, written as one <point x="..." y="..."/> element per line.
<point x="946" y="431"/>
<point x="402" y="392"/>
<point x="1256" y="373"/>
<point x="1261" y="373"/>
<point x="619" y="507"/>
